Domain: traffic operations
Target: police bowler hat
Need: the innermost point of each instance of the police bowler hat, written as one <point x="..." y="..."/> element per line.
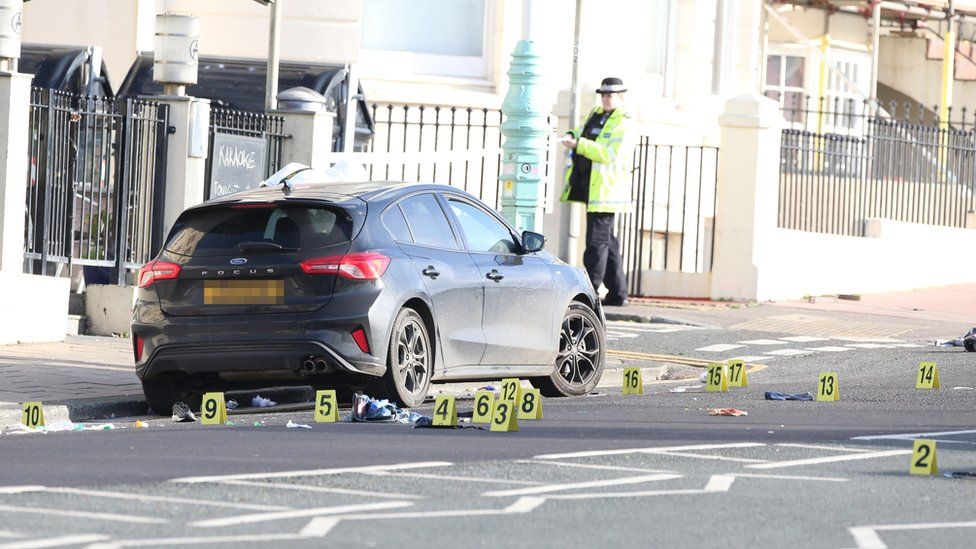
<point x="611" y="85"/>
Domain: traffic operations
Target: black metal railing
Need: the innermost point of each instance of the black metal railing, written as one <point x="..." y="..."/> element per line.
<point x="672" y="224"/>
<point x="96" y="171"/>
<point x="267" y="127"/>
<point x="905" y="168"/>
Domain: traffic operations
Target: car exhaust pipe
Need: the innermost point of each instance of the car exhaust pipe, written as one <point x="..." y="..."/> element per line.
<point x="308" y="365"/>
<point x="321" y="365"/>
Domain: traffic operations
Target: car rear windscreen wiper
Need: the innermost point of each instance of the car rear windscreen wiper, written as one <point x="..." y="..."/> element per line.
<point x="264" y="247"/>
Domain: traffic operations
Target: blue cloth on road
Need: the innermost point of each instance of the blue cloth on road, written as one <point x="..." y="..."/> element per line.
<point x="773" y="395"/>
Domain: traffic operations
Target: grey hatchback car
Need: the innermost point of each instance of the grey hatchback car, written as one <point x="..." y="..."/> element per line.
<point x="382" y="286"/>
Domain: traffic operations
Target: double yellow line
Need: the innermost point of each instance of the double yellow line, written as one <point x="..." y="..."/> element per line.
<point x="675" y="359"/>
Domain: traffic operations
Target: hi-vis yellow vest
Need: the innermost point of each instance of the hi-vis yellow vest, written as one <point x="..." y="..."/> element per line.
<point x="611" y="154"/>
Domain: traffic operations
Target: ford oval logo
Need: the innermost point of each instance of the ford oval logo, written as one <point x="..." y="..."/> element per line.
<point x="238" y="261"/>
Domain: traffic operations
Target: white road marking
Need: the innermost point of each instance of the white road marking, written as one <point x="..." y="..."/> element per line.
<point x="867" y="536"/>
<point x="789" y="352"/>
<point x="9" y="534"/>
<point x="910" y="436"/>
<point x="320" y="526"/>
<point x="719" y="348"/>
<point x="283" y="515"/>
<point x="450" y="477"/>
<point x="828" y="459"/>
<point x="831" y="349"/>
<point x="749" y="359"/>
<point x="804" y="339"/>
<point x="709" y="456"/>
<point x="591" y="466"/>
<point x="819" y="447"/>
<point x="598" y="453"/>
<point x="907" y="345"/>
<point x="654" y="327"/>
<point x="320" y="489"/>
<point x="581" y="485"/>
<point x="612" y="334"/>
<point x="716" y="483"/>
<point x="763" y="342"/>
<point x="164" y="499"/>
<point x="54" y="542"/>
<point x="868" y="346"/>
<point x="196" y="540"/>
<point x="112" y="517"/>
<point x="788" y="477"/>
<point x="315" y="472"/>
<point x="20" y="489"/>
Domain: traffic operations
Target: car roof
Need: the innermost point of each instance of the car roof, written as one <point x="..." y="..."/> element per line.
<point x="332" y="192"/>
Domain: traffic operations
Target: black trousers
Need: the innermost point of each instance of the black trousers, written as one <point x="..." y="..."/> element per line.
<point x="602" y="256"/>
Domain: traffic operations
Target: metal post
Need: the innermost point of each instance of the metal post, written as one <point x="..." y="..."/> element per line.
<point x="274" y="43"/>
<point x="123" y="189"/>
<point x="352" y="104"/>
<point x="875" y="43"/>
<point x="572" y="242"/>
<point x="948" y="68"/>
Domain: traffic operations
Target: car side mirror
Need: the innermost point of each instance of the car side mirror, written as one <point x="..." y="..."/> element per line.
<point x="532" y="242"/>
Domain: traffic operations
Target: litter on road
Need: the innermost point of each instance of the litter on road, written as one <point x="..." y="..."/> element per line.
<point x="683" y="389"/>
<point x="182" y="413"/>
<point x="365" y="408"/>
<point x="773" y="395"/>
<point x="260" y="402"/>
<point x="727" y="412"/>
<point x="292" y="425"/>
<point x="232" y="404"/>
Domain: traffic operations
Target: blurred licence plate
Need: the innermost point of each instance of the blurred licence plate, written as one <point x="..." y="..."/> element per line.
<point x="243" y="292"/>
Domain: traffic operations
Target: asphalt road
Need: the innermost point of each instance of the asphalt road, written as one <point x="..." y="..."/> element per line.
<point x="650" y="470"/>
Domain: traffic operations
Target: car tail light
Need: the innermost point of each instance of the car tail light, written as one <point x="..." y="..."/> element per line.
<point x="138" y="343"/>
<point x="357" y="266"/>
<point x="157" y="270"/>
<point x="360" y="336"/>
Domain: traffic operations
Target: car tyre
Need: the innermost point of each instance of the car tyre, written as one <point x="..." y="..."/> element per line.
<point x="581" y="357"/>
<point x="410" y="360"/>
<point x="163" y="391"/>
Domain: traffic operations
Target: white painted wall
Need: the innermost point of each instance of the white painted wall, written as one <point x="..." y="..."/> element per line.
<point x="904" y="67"/>
<point x="108" y="309"/>
<point x="35" y="308"/>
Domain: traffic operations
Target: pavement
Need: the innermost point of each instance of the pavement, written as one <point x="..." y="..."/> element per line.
<point x="653" y="469"/>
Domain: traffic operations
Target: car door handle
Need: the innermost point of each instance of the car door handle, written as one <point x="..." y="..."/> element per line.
<point x="494" y="275"/>
<point x="431" y="272"/>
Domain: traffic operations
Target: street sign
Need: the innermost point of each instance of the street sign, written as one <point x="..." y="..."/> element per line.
<point x="326" y="409"/>
<point x="633" y="382"/>
<point x="238" y="163"/>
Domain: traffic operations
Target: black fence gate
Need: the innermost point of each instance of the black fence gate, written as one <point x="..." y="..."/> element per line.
<point x="245" y="148"/>
<point x="95" y="184"/>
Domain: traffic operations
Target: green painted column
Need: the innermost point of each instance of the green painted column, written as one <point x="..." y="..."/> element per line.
<point x="525" y="129"/>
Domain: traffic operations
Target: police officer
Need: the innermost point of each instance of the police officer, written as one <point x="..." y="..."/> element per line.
<point x="599" y="177"/>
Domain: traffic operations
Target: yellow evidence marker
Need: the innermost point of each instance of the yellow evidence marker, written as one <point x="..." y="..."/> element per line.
<point x="512" y="389"/>
<point x="827" y="389"/>
<point x="504" y="416"/>
<point x="326" y="408"/>
<point x="633" y="382"/>
<point x="445" y="411"/>
<point x="715" y="378"/>
<point x="482" y="406"/>
<point x="924" y="461"/>
<point x="33" y="415"/>
<point x="928" y="376"/>
<point x="737" y="374"/>
<point x="213" y="411"/>
<point x="530" y="407"/>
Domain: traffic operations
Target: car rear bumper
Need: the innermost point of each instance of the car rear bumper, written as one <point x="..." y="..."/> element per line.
<point x="203" y="345"/>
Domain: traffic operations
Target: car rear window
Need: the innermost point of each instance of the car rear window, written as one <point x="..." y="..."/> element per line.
<point x="221" y="231"/>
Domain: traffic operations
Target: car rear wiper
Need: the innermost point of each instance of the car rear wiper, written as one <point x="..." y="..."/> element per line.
<point x="264" y="247"/>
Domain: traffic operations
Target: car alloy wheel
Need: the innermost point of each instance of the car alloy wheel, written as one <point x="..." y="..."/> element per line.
<point x="579" y="350"/>
<point x="412" y="356"/>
